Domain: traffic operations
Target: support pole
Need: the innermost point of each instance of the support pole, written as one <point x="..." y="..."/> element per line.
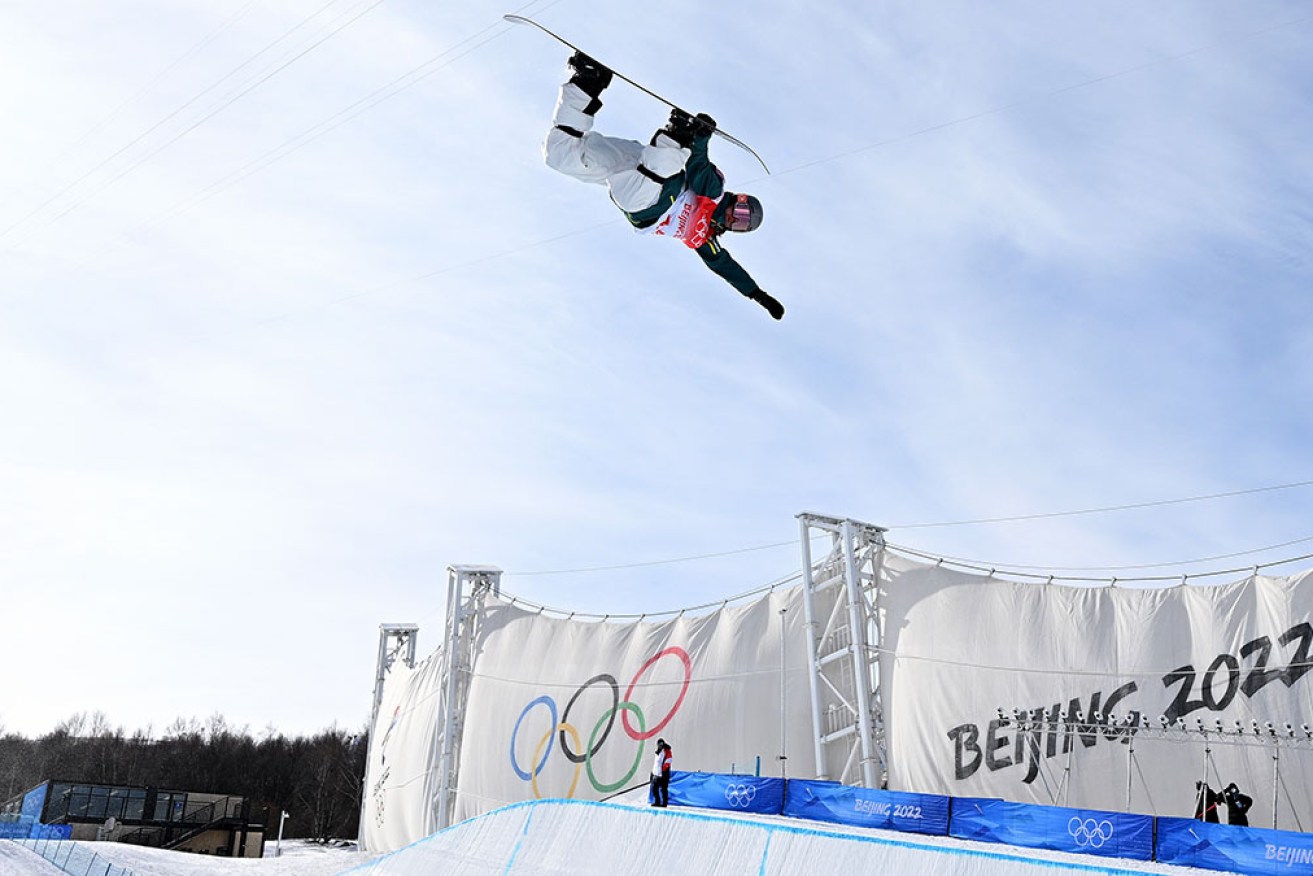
<point x="1070" y="743"/>
<point x="455" y="594"/>
<point x="1130" y="764"/>
<point x="784" y="721"/>
<point x="467" y="586"/>
<point x="1276" y="777"/>
<point x="812" y="639"/>
<point x="857" y="623"/>
<point x="395" y="642"/>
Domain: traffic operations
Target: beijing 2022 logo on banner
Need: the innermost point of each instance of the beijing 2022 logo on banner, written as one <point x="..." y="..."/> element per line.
<point x="574" y="750"/>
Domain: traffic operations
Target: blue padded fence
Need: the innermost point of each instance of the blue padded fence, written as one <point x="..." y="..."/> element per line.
<point x="764" y="796"/>
<point x="1083" y="831"/>
<point x="1253" y="850"/>
<point x="1184" y="841"/>
<point x="863" y="807"/>
<point x="23" y="830"/>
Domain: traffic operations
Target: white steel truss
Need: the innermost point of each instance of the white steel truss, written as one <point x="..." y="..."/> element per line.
<point x="395" y="642"/>
<point x="840" y="595"/>
<point x="467" y="587"/>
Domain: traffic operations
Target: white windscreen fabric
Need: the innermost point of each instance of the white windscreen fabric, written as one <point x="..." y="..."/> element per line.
<point x="398" y="776"/>
<point x="957" y="647"/>
<point x="572" y="709"/>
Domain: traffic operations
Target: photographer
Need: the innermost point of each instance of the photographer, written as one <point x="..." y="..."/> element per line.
<point x="1237" y="805"/>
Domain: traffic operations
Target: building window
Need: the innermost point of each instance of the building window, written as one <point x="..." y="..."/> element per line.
<point x="169" y="805"/>
<point x="57" y="802"/>
<point x="78" y="802"/>
<point x="99" y="802"/>
<point x="135" y="806"/>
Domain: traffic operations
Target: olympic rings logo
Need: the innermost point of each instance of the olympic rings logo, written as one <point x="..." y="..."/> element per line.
<point x="574" y="750"/>
<point x="1089" y="832"/>
<point x="740" y="795"/>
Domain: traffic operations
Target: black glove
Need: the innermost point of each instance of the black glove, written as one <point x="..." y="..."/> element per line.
<point x="773" y="307"/>
<point x="703" y="125"/>
<point x="681" y="128"/>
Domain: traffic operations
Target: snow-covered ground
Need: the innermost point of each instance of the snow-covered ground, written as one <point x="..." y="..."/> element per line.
<point x="299" y="858"/>
<point x="569" y="837"/>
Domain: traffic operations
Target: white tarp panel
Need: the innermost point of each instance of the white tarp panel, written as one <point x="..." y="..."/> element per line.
<point x="398" y="780"/>
<point x="569" y="708"/>
<point x="573" y="708"/>
<point x="958" y="647"/>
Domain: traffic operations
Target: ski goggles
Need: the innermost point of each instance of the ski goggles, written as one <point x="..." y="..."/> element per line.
<point x="739" y="217"/>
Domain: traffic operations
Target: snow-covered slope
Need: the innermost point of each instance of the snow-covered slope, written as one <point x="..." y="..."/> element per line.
<point x="568" y="836"/>
<point x="298" y="859"/>
<point x="18" y="861"/>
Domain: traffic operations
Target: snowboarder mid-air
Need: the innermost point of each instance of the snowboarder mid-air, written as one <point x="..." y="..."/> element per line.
<point x="668" y="188"/>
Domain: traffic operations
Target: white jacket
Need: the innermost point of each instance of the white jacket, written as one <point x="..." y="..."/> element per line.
<point x="661" y="763"/>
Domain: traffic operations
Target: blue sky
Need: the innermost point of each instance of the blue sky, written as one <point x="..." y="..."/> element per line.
<point x="1036" y="257"/>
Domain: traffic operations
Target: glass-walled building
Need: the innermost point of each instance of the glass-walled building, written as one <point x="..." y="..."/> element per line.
<point x="214" y="824"/>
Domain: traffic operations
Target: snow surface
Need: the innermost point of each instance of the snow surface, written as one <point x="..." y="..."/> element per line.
<point x="570" y="836"/>
<point x="625" y="836"/>
<point x="18" y="861"/>
<point x="299" y="858"/>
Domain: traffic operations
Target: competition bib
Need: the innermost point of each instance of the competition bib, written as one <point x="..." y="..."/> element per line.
<point x="688" y="219"/>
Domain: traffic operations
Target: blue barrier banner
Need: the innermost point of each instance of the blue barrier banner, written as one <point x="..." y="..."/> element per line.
<point x="1084" y="831"/>
<point x="1232" y="848"/>
<point x="28" y="830"/>
<point x="736" y="793"/>
<point x="34" y="802"/>
<point x="887" y="810"/>
<point x="51" y="831"/>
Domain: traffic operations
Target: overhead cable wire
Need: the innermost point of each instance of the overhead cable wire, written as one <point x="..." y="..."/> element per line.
<point x="385" y="92"/>
<point x="1106" y="509"/>
<point x="738" y="597"/>
<point x="1177" y="563"/>
<point x="161" y="122"/>
<point x="1102" y="510"/>
<point x="145" y="89"/>
<point x="1017" y="573"/>
<point x="1095" y="80"/>
<point x="664" y="562"/>
<point x="221" y="107"/>
<point x="839" y="156"/>
<point x="797" y="576"/>
<point x="351" y="296"/>
<point x="381" y="94"/>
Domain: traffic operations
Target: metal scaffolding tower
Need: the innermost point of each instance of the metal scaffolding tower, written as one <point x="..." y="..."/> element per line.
<point x="395" y="642"/>
<point x="467" y="587"/>
<point x="840" y="595"/>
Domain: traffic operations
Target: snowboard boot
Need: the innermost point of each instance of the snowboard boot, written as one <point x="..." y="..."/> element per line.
<point x="773" y="307"/>
<point x="592" y="79"/>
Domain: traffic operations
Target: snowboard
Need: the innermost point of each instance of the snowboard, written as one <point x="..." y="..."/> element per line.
<point x="520" y="19"/>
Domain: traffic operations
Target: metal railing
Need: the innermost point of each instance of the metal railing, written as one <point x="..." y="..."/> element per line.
<point x="194" y="821"/>
<point x="74" y="858"/>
